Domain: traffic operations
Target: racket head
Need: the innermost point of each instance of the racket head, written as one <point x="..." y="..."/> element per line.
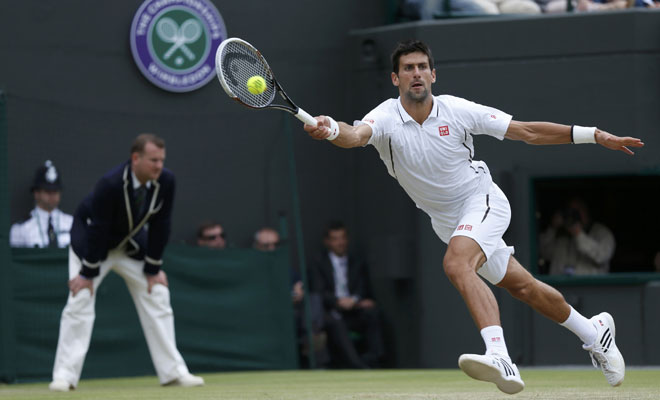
<point x="236" y="61"/>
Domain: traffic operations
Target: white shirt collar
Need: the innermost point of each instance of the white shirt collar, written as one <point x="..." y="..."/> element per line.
<point x="43" y="214"/>
<point x="136" y="181"/>
<point x="335" y="258"/>
<point x="406" y="117"/>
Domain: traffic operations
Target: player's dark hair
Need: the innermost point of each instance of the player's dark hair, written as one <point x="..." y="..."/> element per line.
<point x="142" y="139"/>
<point x="334" y="226"/>
<point x="407" y="47"/>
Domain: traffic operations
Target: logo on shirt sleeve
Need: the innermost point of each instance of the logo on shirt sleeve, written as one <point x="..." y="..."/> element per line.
<point x="369" y="121"/>
<point x="443" y="130"/>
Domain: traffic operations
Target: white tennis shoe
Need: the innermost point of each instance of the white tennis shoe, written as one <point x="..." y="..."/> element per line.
<point x="188" y="380"/>
<point x="493" y="368"/>
<point x="604" y="353"/>
<point x="60" y="386"/>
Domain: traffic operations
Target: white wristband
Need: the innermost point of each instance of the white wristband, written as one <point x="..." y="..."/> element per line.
<point x="583" y="134"/>
<point x="334" y="129"/>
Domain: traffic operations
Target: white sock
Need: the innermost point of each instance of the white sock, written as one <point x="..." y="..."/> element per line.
<point x="494" y="339"/>
<point x="581" y="326"/>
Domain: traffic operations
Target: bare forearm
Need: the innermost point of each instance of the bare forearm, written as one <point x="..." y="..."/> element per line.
<point x="348" y="136"/>
<point x="539" y="133"/>
<point x="551" y="133"/>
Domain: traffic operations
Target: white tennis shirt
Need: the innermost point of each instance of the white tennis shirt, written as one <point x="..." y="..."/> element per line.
<point x="434" y="162"/>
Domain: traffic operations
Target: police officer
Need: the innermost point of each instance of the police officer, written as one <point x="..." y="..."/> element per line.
<point x="47" y="225"/>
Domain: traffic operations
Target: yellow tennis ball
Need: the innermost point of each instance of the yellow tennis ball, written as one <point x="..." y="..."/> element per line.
<point x="256" y="84"/>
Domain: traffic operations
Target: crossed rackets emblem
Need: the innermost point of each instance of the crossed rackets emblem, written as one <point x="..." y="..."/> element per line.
<point x="170" y="32"/>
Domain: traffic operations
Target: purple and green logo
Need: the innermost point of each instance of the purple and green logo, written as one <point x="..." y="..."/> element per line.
<point x="174" y="41"/>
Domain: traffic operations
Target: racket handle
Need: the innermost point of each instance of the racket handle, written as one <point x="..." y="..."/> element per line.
<point x="306" y="118"/>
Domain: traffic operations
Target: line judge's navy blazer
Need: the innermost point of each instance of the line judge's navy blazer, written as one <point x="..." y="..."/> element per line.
<point x="107" y="219"/>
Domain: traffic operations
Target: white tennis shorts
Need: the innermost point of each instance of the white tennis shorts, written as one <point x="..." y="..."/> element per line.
<point x="484" y="217"/>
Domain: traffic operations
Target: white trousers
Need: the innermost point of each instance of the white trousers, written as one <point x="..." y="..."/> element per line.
<point x="154" y="311"/>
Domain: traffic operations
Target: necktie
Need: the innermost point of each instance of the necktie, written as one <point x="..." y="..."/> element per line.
<point x="52" y="237"/>
<point x="140" y="199"/>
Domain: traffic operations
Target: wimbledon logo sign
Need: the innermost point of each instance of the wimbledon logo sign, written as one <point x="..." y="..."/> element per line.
<point x="173" y="42"/>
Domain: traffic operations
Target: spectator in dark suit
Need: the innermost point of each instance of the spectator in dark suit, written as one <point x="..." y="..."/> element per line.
<point x="343" y="282"/>
<point x="110" y="233"/>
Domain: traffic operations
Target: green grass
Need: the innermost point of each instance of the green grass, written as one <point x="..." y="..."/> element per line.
<point x="551" y="384"/>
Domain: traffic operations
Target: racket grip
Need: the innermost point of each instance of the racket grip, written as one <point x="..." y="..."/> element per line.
<point x="306" y="118"/>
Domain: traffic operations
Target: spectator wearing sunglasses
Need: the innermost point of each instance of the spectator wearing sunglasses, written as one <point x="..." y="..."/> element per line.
<point x="211" y="234"/>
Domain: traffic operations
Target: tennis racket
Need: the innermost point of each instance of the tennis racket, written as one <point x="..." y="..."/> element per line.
<point x="236" y="61"/>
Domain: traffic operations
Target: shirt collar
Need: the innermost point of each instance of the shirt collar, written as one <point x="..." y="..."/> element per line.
<point x="335" y="257"/>
<point x="405" y="117"/>
<point x="136" y="181"/>
<point x="43" y="214"/>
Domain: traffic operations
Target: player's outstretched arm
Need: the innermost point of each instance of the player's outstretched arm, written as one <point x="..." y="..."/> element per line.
<point x="348" y="136"/>
<point x="551" y="133"/>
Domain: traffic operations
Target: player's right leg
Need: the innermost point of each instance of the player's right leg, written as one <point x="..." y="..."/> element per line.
<point x="75" y="330"/>
<point x="597" y="333"/>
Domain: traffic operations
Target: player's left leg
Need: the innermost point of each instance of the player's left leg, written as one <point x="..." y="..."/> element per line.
<point x="475" y="238"/>
<point x="462" y="260"/>
<point x="597" y="333"/>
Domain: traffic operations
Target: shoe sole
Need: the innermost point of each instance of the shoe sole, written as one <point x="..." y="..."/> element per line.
<point x="478" y="370"/>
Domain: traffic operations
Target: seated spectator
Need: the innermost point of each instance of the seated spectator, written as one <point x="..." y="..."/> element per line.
<point x="557" y="6"/>
<point x="47" y="225"/>
<point x="268" y="239"/>
<point x="343" y="282"/>
<point x="601" y="5"/>
<point x="429" y="9"/>
<point x="211" y="234"/>
<point x="574" y="244"/>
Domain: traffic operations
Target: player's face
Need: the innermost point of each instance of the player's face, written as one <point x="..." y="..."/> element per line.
<point x="148" y="165"/>
<point x="415" y="77"/>
<point x="47" y="200"/>
<point x="337" y="242"/>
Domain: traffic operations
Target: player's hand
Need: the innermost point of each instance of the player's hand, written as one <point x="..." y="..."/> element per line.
<point x="321" y="131"/>
<point x="79" y="283"/>
<point x="612" y="142"/>
<point x="160" y="277"/>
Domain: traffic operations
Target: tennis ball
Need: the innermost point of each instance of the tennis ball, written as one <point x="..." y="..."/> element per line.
<point x="256" y="84"/>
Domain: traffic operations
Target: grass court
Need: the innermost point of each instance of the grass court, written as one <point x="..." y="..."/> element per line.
<point x="541" y="383"/>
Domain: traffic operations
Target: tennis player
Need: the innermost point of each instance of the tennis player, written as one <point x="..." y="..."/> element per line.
<point x="426" y="144"/>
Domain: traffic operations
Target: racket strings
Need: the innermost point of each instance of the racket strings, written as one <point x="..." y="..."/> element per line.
<point x="240" y="63"/>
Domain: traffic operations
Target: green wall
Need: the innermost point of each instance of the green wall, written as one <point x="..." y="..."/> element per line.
<point x="232" y="311"/>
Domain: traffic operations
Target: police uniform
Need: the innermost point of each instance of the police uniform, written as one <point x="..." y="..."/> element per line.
<point x="43" y="228"/>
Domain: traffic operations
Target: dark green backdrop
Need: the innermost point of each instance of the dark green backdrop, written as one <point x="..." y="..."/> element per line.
<point x="232" y="311"/>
